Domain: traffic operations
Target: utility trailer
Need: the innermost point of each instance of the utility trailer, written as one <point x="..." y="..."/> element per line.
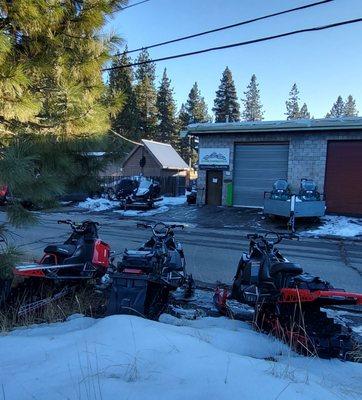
<point x="307" y="204"/>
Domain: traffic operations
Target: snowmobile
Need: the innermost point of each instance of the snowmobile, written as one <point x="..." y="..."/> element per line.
<point x="287" y="302"/>
<point x="146" y="194"/>
<point x="82" y="257"/>
<point x="3" y="194"/>
<point x="308" y="191"/>
<point x="123" y="190"/>
<point x="281" y="190"/>
<point x="191" y="195"/>
<point x="145" y="277"/>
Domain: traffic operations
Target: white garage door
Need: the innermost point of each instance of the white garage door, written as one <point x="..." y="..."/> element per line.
<point x="256" y="168"/>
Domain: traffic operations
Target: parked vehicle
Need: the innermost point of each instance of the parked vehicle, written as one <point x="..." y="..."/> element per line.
<point x="309" y="203"/>
<point x="123" y="189"/>
<point x="140" y="192"/>
<point x="3" y="195"/>
<point x="308" y="191"/>
<point x="191" y="195"/>
<point x="281" y="190"/>
<point x="287" y="301"/>
<point x="82" y="257"/>
<point x="145" y="277"/>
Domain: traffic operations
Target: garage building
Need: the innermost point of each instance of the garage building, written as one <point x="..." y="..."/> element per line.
<point x="239" y="161"/>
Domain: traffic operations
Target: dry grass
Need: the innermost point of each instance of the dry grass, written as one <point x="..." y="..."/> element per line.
<point x="83" y="300"/>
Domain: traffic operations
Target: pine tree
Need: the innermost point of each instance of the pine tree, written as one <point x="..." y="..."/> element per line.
<point x="304" y="113"/>
<point x="350" y="109"/>
<point x="253" y="110"/>
<point x="147" y="110"/>
<point x="226" y="106"/>
<point x="121" y="82"/>
<point x="337" y="109"/>
<point x="51" y="93"/>
<point x="50" y="62"/>
<point x="146" y="97"/>
<point x="167" y="125"/>
<point x="196" y="106"/>
<point x="292" y="104"/>
<point x="145" y="70"/>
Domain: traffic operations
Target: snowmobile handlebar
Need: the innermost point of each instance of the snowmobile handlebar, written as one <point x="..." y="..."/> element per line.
<point x="160" y="226"/>
<point x="267" y="238"/>
<point x="77" y="226"/>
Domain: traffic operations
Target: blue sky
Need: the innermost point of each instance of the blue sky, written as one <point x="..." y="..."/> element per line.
<point x="323" y="64"/>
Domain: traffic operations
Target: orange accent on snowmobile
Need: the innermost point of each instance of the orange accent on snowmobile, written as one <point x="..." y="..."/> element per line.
<point x="305" y="295"/>
<point x="133" y="271"/>
<point x="101" y="254"/>
<point x="31" y="272"/>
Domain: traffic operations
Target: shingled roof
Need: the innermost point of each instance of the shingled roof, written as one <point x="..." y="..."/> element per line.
<point x="165" y="155"/>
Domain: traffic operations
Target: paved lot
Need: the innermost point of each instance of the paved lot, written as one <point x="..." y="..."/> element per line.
<point x="212" y="253"/>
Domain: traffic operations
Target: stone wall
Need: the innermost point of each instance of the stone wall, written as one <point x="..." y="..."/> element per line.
<point x="307" y="153"/>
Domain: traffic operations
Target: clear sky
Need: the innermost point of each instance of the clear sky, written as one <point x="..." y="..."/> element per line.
<point x="324" y="64"/>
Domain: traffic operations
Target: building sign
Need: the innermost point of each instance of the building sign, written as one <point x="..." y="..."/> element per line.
<point x="214" y="158"/>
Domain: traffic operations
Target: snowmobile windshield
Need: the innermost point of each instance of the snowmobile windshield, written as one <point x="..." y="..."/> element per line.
<point x="308" y="185"/>
<point x="281" y="184"/>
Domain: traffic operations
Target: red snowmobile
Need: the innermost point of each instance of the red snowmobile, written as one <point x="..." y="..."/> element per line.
<point x="82" y="257"/>
<point x="287" y="301"/>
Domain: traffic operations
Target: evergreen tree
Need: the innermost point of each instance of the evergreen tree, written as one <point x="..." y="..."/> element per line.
<point x="350" y="109"/>
<point x="292" y="104"/>
<point x="337" y="109"/>
<point x="226" y="106"/>
<point x="253" y="110"/>
<point x="147" y="110"/>
<point x="120" y="82"/>
<point x="50" y="62"/>
<point x="51" y="92"/>
<point x="146" y="97"/>
<point x="304" y="113"/>
<point x="167" y="126"/>
<point x="145" y="70"/>
<point x="196" y="106"/>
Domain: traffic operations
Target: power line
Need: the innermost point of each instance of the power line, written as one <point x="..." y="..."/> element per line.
<point x="263" y="39"/>
<point x="230" y="26"/>
<point x="135" y="4"/>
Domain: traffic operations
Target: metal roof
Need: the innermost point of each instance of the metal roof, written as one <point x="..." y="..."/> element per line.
<point x="277" y="126"/>
<point x="165" y="154"/>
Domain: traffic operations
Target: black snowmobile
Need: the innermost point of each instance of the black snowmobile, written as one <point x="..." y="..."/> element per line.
<point x="145" y="277"/>
<point x="281" y="190"/>
<point x="287" y="301"/>
<point x="308" y="191"/>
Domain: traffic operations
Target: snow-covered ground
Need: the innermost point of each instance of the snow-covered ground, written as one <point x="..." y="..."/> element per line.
<point x="100" y="204"/>
<point x="105" y="204"/>
<point x="125" y="357"/>
<point x="334" y="225"/>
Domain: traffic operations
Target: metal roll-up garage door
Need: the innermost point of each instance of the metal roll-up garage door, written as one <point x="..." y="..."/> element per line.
<point x="256" y="168"/>
<point x="343" y="186"/>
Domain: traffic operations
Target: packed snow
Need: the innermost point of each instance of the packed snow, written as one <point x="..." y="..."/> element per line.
<point x="103" y="204"/>
<point x="126" y="357"/>
<point x="100" y="204"/>
<point x="337" y="226"/>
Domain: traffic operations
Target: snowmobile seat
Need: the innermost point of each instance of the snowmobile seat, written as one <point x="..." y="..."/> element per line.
<point x="65" y="250"/>
<point x="286" y="267"/>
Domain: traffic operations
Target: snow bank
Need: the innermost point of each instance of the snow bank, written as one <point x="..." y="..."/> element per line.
<point x="98" y="204"/>
<point x="125" y="357"/>
<point x="337" y="226"/>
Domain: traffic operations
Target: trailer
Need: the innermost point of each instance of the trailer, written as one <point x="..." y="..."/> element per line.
<point x="306" y="204"/>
